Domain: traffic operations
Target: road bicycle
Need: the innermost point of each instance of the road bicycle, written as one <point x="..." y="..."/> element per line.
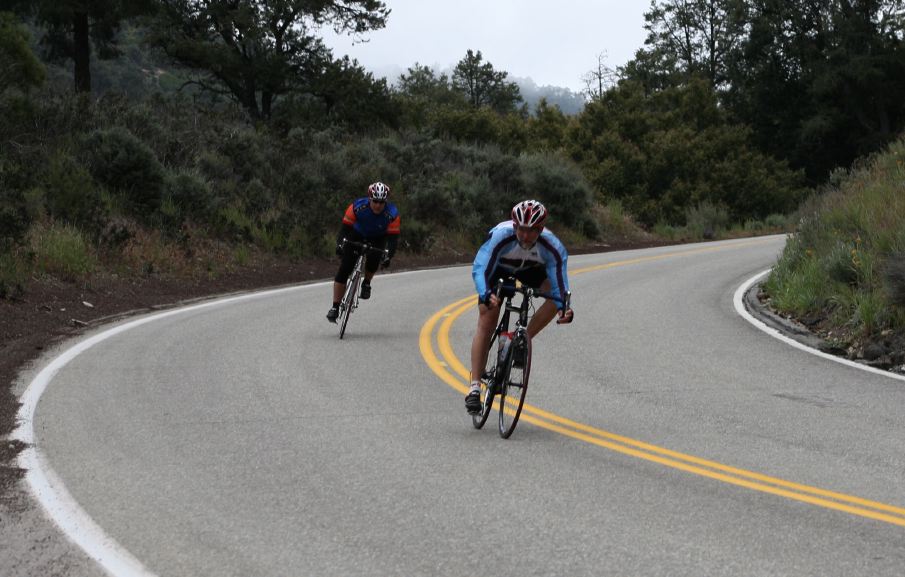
<point x="350" y="298"/>
<point x="506" y="372"/>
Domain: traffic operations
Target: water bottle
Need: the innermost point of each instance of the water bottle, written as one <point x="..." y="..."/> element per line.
<point x="505" y="341"/>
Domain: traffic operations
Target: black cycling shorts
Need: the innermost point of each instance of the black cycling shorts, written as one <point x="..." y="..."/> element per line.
<point x="532" y="277"/>
<point x="350" y="256"/>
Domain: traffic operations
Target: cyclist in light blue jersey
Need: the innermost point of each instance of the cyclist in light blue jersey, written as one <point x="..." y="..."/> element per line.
<point x="524" y="249"/>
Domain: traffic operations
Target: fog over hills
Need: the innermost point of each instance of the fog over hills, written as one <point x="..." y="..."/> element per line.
<point x="569" y="102"/>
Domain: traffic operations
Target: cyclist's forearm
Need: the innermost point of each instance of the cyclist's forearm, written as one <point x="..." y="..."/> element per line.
<point x="392" y="244"/>
<point x="345" y="232"/>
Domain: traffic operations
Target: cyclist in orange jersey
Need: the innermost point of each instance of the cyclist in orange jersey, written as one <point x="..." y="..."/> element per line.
<point x="372" y="219"/>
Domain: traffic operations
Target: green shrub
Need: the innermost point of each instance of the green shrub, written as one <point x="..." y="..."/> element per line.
<point x="894" y="276"/>
<point x="61" y="251"/>
<point x="777" y="221"/>
<point x="235" y="223"/>
<point x="246" y="151"/>
<point x="13" y="274"/>
<point x="802" y="290"/>
<point x="839" y="263"/>
<point x="706" y="220"/>
<point x="417" y="236"/>
<point x="560" y="185"/>
<point x="668" y="231"/>
<point x="14" y="219"/>
<point x="72" y="195"/>
<point x="255" y="196"/>
<point x="871" y="313"/>
<point x="753" y="226"/>
<point x="123" y="163"/>
<point x="191" y="193"/>
<point x="855" y="232"/>
<point x="241" y="255"/>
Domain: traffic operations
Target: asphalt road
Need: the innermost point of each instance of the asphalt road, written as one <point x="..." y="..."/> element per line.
<point x="665" y="436"/>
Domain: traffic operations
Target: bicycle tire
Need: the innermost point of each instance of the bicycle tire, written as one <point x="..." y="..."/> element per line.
<point x="348" y="301"/>
<point x="487" y="394"/>
<point x="514" y="386"/>
<point x="488" y="377"/>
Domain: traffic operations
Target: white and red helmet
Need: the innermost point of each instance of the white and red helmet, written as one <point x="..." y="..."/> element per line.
<point x="529" y="213"/>
<point x="378" y="191"/>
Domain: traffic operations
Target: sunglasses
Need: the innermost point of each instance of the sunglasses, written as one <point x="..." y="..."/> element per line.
<point x="378" y="201"/>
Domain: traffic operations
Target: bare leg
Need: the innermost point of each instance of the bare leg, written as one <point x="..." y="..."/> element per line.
<point x="542" y="318"/>
<point x="544" y="314"/>
<point x="338" y="290"/>
<point x="487" y="319"/>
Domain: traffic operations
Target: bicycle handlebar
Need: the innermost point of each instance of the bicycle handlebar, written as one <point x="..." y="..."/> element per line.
<point x="368" y="247"/>
<point x="565" y="300"/>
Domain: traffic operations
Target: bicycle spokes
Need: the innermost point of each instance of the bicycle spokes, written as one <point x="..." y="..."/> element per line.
<point x="514" y="385"/>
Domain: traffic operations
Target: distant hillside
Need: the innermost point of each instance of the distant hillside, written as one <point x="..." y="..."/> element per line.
<point x="569" y="102"/>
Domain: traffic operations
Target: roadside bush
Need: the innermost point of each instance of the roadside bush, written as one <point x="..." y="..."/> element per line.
<point x="668" y="231"/>
<point x="191" y="193"/>
<point x="14" y="219"/>
<point x="560" y="186"/>
<point x="706" y="220"/>
<point x="839" y="263"/>
<point x="802" y="290"/>
<point x="754" y="226"/>
<point x="777" y="221"/>
<point x="894" y="276"/>
<point x="120" y="161"/>
<point x="72" y="195"/>
<point x="61" y="251"/>
<point x="854" y="231"/>
<point x="256" y="197"/>
<point x="417" y="236"/>
<point x="246" y="151"/>
<point x="13" y="274"/>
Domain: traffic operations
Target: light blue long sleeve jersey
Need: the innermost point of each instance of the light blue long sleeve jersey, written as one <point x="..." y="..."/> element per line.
<point x="502" y="250"/>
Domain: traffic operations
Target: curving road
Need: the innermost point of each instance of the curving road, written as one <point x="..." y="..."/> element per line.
<point x="666" y="436"/>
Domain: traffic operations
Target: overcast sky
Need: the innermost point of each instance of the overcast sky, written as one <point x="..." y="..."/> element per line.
<point x="553" y="43"/>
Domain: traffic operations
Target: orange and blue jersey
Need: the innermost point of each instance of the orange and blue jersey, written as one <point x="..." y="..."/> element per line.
<point x="369" y="225"/>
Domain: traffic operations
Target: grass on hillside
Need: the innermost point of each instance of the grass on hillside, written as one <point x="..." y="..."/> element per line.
<point x="845" y="264"/>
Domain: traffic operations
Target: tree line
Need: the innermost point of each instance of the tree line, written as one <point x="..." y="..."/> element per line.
<point x="740" y="107"/>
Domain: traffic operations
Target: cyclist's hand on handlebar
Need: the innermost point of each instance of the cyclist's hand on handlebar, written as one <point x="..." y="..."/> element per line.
<point x="492" y="301"/>
<point x="565" y="316"/>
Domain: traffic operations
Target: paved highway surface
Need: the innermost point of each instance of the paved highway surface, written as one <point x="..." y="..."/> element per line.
<point x="665" y="436"/>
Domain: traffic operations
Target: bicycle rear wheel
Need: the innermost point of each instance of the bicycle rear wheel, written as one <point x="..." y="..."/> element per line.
<point x="514" y="384"/>
<point x="347" y="305"/>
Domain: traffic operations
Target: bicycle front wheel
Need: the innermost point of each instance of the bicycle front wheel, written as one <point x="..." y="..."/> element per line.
<point x="348" y="303"/>
<point x="514" y="384"/>
<point x="487" y="393"/>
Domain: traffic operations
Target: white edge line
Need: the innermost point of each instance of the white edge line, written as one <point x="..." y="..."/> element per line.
<point x="44" y="483"/>
<point x="49" y="490"/>
<point x="738" y="300"/>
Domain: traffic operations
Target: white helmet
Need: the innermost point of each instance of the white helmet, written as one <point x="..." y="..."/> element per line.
<point x="529" y="213"/>
<point x="378" y="191"/>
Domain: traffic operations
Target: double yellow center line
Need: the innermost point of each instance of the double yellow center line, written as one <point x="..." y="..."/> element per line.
<point x="451" y="371"/>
